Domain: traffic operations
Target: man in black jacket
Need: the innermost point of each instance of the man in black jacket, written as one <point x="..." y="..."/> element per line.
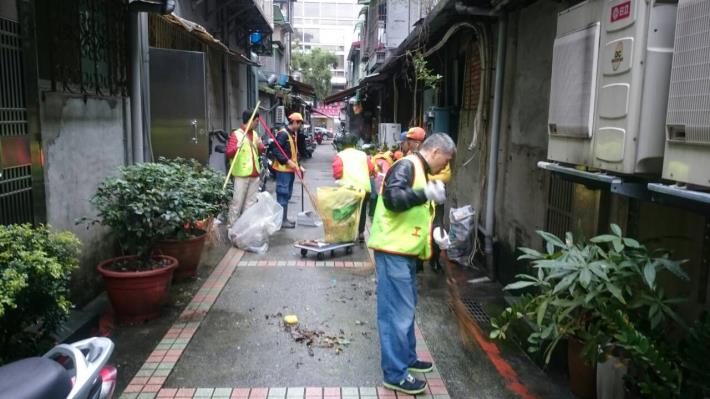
<point x="400" y="236"/>
<point x="286" y="164"/>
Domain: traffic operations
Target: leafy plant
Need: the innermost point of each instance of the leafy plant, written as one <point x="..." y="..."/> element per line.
<point x="576" y="283"/>
<point x="423" y="74"/>
<point x="695" y="352"/>
<point x="155" y="201"/>
<point x="655" y="371"/>
<point x="35" y="267"/>
<point x="315" y="67"/>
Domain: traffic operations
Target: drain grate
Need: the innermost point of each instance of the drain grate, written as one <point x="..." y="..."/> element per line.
<point x="477" y="311"/>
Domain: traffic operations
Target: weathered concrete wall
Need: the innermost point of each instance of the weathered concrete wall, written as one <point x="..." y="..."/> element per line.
<point x="84" y="141"/>
<point x="520" y="203"/>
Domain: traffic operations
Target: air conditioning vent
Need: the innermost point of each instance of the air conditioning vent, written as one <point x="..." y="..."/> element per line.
<point x="689" y="99"/>
<point x="687" y="149"/>
<point x="573" y="85"/>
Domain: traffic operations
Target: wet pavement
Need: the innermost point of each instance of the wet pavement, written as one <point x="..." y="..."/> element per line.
<point x="229" y="341"/>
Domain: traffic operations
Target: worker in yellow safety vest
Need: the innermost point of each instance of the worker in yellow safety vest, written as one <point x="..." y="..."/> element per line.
<point x="445" y="177"/>
<point x="246" y="146"/>
<point x="382" y="161"/>
<point x="400" y="235"/>
<point x="286" y="164"/>
<point x="352" y="167"/>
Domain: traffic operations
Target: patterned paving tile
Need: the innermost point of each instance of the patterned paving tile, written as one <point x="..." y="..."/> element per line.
<point x="148" y="381"/>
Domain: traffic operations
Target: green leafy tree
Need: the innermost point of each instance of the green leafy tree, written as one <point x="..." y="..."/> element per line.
<point x="315" y="69"/>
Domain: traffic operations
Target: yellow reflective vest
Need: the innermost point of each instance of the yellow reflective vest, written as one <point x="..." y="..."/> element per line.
<point x="278" y="166"/>
<point x="247" y="155"/>
<point x="356" y="172"/>
<point x="404" y="233"/>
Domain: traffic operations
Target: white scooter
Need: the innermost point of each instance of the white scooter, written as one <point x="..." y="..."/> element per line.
<point x="67" y="371"/>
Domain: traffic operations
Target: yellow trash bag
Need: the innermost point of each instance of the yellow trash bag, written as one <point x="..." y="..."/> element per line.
<point x="339" y="207"/>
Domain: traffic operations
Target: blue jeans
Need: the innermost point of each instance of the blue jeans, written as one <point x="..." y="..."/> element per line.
<point x="396" y="301"/>
<point x="284" y="188"/>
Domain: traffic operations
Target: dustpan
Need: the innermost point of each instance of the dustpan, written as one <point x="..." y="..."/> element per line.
<point x="308" y="219"/>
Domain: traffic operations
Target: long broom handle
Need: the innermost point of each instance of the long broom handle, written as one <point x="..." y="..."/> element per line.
<point x="231" y="165"/>
<point x="297" y="171"/>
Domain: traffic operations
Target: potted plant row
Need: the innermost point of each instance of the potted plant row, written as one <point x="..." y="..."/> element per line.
<point x="153" y="211"/>
<point x="603" y="297"/>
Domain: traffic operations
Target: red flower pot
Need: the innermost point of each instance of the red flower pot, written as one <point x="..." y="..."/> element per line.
<point x="137" y="296"/>
<point x="582" y="377"/>
<point x="187" y="253"/>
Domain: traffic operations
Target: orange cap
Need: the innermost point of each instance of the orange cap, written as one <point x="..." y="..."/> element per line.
<point x="416" y="133"/>
<point x="296" y="116"/>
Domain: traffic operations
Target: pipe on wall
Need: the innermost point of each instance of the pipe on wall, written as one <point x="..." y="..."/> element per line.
<point x="493" y="150"/>
<point x="135" y="48"/>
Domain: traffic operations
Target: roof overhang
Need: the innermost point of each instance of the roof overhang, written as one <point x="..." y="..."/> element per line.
<point x="302" y="88"/>
<point x="199" y="32"/>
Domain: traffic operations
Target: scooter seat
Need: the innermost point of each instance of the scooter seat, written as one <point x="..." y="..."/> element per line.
<point x="34" y="378"/>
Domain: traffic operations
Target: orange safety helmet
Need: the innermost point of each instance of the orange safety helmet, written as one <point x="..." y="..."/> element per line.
<point x="296" y="116"/>
<point x="416" y="133"/>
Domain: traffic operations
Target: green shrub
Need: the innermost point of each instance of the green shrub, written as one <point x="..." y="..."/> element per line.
<point x="160" y="200"/>
<point x="35" y="266"/>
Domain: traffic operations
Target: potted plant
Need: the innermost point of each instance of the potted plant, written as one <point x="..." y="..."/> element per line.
<point x="577" y="285"/>
<point x="193" y="196"/>
<point x="133" y="206"/>
<point x="35" y="268"/>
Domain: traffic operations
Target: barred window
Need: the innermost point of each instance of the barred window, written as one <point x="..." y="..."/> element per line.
<point x="82" y="46"/>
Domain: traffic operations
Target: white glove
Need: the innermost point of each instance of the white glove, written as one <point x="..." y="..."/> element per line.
<point x="435" y="191"/>
<point x="441" y="237"/>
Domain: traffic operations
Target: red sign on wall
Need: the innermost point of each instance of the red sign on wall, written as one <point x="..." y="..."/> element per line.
<point x="621" y="11"/>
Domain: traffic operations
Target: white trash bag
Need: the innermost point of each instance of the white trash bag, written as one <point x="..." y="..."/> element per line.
<point x="462" y="234"/>
<point x="252" y="230"/>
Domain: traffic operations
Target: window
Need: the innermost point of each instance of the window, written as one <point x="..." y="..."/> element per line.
<point x="346" y="11"/>
<point x="328" y="10"/>
<point x="341" y="61"/>
<point x="298" y="9"/>
<point x="311" y="10"/>
<point x="311" y="35"/>
<point x="328" y="22"/>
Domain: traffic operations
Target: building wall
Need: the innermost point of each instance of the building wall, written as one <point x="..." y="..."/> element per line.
<point x="84" y="139"/>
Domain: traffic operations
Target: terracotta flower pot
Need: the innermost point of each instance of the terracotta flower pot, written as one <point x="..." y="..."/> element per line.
<point x="137" y="296"/>
<point x="582" y="377"/>
<point x="187" y="253"/>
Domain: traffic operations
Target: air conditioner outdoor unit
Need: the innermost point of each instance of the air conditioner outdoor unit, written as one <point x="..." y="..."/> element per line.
<point x="280" y="117"/>
<point x="573" y="84"/>
<point x="388" y="134"/>
<point x="687" y="147"/>
<point x="633" y="78"/>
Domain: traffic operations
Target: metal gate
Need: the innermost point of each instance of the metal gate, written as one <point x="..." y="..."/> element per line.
<point x="16" y="202"/>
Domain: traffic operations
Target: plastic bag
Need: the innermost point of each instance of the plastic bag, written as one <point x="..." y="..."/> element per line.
<point x="340" y="211"/>
<point x="462" y="227"/>
<point x="252" y="230"/>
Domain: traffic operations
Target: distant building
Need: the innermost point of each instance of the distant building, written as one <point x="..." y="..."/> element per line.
<point x="327" y="25"/>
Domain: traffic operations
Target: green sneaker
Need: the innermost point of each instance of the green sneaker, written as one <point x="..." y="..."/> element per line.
<point x="409" y="385"/>
<point x="421" y="367"/>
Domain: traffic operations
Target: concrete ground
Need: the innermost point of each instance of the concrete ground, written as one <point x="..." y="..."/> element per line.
<point x="231" y="333"/>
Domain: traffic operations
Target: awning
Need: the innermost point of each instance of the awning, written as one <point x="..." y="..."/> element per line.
<point x="204" y="36"/>
<point x="341" y="95"/>
<point x="301" y="87"/>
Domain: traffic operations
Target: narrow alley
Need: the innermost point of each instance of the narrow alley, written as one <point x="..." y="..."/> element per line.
<point x="230" y="341"/>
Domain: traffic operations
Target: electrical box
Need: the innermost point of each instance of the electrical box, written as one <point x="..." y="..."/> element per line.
<point x="687" y="147"/>
<point x="633" y="76"/>
<point x="573" y="84"/>
<point x="438" y="120"/>
<point x="388" y="134"/>
<point x="280" y="117"/>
